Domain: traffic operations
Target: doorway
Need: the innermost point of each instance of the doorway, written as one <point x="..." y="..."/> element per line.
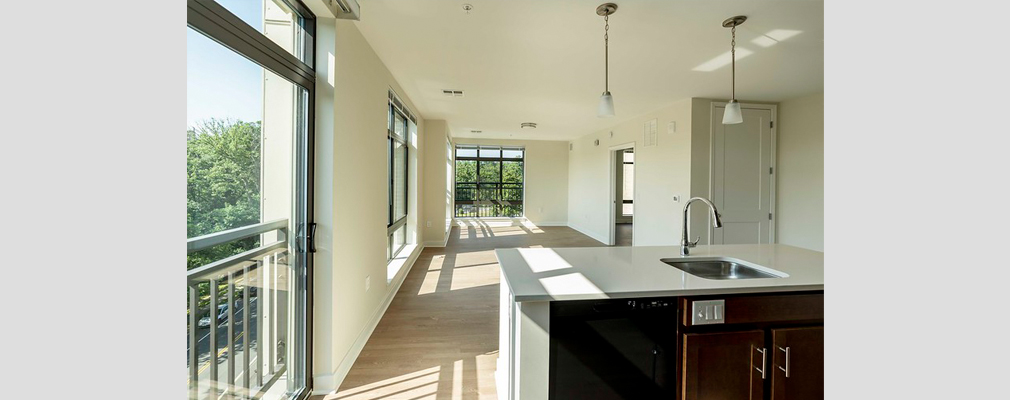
<point x="622" y="195"/>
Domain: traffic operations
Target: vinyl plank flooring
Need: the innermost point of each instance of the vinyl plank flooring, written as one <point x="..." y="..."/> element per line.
<point x="439" y="337"/>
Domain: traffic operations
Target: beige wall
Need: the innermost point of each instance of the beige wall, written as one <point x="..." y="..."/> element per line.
<point x="546" y="178"/>
<point x="437" y="184"/>
<point x="800" y="180"/>
<point x="661" y="172"/>
<point x="351" y="195"/>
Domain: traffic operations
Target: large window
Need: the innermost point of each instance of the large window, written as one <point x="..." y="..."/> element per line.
<point x="249" y="78"/>
<point x="402" y="124"/>
<point x="489" y="181"/>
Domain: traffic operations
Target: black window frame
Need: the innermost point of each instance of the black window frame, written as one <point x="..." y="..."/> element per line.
<point x="224" y="27"/>
<point x="624" y="164"/>
<point x="396" y="108"/>
<point x="476" y="203"/>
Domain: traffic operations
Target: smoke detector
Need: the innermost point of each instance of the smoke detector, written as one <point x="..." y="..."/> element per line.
<point x="528" y="125"/>
<point x="452" y="93"/>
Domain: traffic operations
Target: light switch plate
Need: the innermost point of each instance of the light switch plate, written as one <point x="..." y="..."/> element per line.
<point x="707" y="312"/>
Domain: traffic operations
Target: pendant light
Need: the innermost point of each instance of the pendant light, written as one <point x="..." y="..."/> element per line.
<point x="733" y="114"/>
<point x="606" y="108"/>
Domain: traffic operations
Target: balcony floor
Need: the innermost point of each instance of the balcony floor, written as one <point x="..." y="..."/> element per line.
<point x="439" y="337"/>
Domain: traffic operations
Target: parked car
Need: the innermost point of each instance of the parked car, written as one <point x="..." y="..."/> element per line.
<point x="222" y="315"/>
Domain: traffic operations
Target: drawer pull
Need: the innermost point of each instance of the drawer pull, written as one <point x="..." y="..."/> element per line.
<point x="764" y="359"/>
<point x="786" y="369"/>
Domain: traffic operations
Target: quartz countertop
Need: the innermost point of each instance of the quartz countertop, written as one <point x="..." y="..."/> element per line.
<point x="582" y="273"/>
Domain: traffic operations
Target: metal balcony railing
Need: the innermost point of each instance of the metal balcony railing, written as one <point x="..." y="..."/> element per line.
<point x="489" y="199"/>
<point x="246" y="292"/>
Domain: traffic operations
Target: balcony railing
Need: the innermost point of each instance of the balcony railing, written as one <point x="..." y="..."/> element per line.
<point x="489" y="199"/>
<point x="247" y="294"/>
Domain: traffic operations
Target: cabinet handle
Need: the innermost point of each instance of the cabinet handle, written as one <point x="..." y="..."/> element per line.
<point x="786" y="369"/>
<point x="764" y="359"/>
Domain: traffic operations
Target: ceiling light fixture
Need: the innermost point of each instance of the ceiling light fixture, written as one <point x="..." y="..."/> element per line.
<point x="606" y="108"/>
<point x="732" y="114"/>
<point x="528" y="125"/>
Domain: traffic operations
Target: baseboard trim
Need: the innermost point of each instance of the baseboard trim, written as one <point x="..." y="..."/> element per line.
<point x="435" y="243"/>
<point x="602" y="239"/>
<point x="550" y="223"/>
<point x="328" y="383"/>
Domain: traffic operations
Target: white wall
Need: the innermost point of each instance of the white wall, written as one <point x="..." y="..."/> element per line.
<point x="800" y="183"/>
<point x="546" y="178"/>
<point x="436" y="191"/>
<point x="351" y="196"/>
<point x="661" y="172"/>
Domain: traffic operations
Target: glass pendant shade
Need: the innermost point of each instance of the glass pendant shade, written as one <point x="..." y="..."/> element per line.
<point x="732" y="115"/>
<point x="606" y="108"/>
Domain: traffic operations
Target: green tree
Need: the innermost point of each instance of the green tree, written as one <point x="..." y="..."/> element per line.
<point x="466" y="171"/>
<point x="512" y="172"/>
<point x="223" y="184"/>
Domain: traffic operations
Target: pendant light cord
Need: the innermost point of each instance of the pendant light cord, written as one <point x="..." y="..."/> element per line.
<point x="733" y="55"/>
<point x="606" y="53"/>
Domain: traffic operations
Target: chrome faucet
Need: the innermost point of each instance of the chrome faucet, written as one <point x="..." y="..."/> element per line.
<point x="686" y="244"/>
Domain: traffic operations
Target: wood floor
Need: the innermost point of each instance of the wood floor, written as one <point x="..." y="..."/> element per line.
<point x="439" y="337"/>
<point x="622" y="234"/>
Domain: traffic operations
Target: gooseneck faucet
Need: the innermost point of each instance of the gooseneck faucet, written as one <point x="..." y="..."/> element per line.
<point x="686" y="244"/>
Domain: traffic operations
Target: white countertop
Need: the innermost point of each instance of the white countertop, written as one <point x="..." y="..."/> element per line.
<point x="581" y="273"/>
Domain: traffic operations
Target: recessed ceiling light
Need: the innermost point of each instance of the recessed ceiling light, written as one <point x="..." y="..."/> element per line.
<point x="528" y="125"/>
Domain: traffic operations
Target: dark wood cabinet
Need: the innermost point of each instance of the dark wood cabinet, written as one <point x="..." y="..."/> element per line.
<point x="725" y="365"/>
<point x="761" y="347"/>
<point x="798" y="371"/>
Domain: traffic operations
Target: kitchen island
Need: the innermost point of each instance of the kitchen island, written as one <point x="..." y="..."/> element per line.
<point x="532" y="279"/>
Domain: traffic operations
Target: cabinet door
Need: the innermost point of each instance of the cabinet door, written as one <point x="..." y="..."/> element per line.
<point x="724" y="366"/>
<point x="798" y="371"/>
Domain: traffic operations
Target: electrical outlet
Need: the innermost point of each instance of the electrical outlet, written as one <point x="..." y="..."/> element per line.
<point x="428" y="224"/>
<point x="368" y="282"/>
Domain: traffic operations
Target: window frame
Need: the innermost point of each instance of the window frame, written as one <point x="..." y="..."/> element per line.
<point x="392" y="226"/>
<point x="624" y="168"/>
<point x="222" y="26"/>
<point x="501" y="160"/>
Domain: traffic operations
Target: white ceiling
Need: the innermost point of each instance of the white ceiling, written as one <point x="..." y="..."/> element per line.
<point x="542" y="60"/>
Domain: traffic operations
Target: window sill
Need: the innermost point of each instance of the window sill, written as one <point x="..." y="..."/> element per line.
<point x="396" y="264"/>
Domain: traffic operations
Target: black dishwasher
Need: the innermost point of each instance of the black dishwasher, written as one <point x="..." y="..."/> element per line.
<point x="613" y="349"/>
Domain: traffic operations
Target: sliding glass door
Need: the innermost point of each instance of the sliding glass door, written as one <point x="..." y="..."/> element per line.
<point x="249" y="199"/>
<point x="489" y="181"/>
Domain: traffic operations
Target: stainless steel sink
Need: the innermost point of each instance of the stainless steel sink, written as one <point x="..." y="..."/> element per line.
<point x="717" y="269"/>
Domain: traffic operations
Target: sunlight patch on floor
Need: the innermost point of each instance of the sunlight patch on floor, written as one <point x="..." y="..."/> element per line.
<point x="475" y="269"/>
<point x="415" y="385"/>
<point x="430" y="282"/>
<point x="474" y="276"/>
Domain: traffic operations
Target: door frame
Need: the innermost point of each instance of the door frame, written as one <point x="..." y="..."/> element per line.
<point x="612" y="204"/>
<point x="773" y="206"/>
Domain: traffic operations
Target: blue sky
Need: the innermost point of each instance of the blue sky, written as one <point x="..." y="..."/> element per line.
<point x="220" y="83"/>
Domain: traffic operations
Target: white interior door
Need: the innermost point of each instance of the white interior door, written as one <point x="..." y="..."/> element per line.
<point x="742" y="179"/>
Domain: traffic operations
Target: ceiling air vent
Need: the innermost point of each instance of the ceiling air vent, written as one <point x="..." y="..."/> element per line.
<point x="528" y="125"/>
<point x="453" y="93"/>
<point x="475" y="131"/>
